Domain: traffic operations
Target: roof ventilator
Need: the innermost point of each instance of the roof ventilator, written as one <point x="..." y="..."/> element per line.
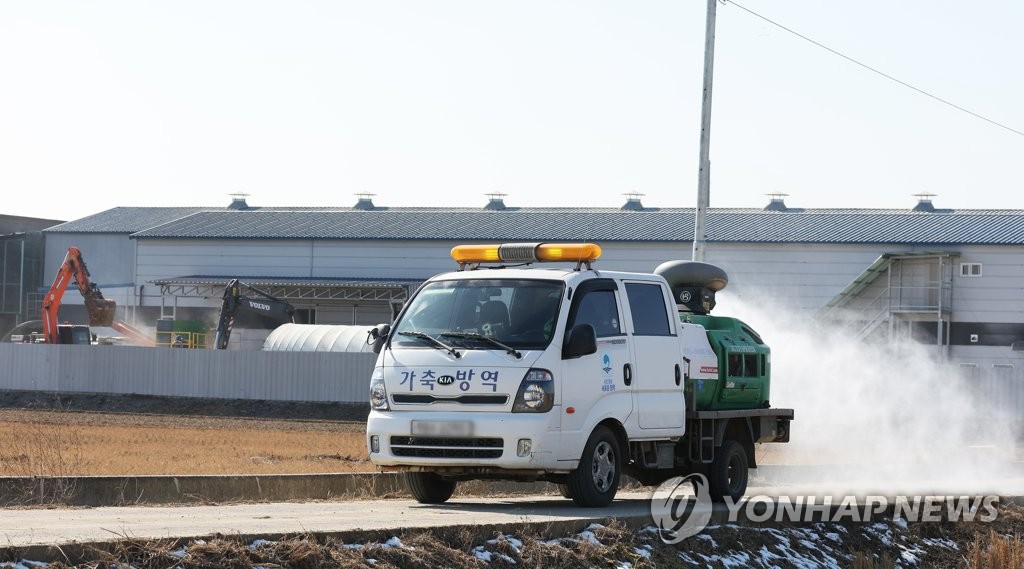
<point x="238" y="201"/>
<point x="633" y="202"/>
<point x="776" y="202"/>
<point x="495" y="201"/>
<point x="365" y="202"/>
<point x="924" y="202"/>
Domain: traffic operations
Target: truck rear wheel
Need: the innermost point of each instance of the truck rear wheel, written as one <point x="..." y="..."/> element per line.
<point x="429" y="488"/>
<point x="596" y="480"/>
<point x="728" y="473"/>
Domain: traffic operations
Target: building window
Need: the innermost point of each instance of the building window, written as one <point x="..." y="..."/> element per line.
<point x="305" y="316"/>
<point x="970" y="269"/>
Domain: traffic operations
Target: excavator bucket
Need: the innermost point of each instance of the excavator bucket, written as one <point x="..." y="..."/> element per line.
<point x="101" y="310"/>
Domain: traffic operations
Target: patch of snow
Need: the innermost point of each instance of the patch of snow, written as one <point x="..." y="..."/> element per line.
<point x="708" y="538"/>
<point x="882" y="532"/>
<point x="482" y="554"/>
<point x="624" y="565"/>
<point x="940" y="542"/>
<point x="371" y="561"/>
<point x="354" y="545"/>
<point x="513" y="542"/>
<point x="557" y="541"/>
<point x="645" y="553"/>
<point x="807" y="534"/>
<point x="767" y="556"/>
<point x="909" y="557"/>
<point x="900" y="522"/>
<point x="506" y="559"/>
<point x="595" y="526"/>
<point x="256" y="544"/>
<point x="811" y="560"/>
<point x="834" y="537"/>
<point x="589" y="536"/>
<point x="395" y="542"/>
<point x="688" y="559"/>
<point x="737" y="559"/>
<point x="23" y="564"/>
<point x="179" y="553"/>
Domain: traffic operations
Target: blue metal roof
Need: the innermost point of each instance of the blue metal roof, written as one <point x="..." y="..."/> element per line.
<point x="125" y="219"/>
<point x="941" y="227"/>
<point x="219" y="280"/>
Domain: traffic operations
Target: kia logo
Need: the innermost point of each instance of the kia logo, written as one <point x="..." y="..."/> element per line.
<point x="446" y="380"/>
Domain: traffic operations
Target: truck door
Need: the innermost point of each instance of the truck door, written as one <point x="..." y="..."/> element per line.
<point x="595" y="383"/>
<point x="657" y="374"/>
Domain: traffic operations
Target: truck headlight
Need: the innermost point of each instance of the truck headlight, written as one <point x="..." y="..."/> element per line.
<point x="536" y="392"/>
<point x="378" y="393"/>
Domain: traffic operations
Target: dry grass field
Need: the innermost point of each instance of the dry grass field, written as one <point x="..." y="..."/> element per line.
<point x="55" y="442"/>
<point x="67" y="443"/>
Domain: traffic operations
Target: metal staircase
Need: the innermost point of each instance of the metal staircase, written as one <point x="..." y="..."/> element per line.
<point x="896" y="294"/>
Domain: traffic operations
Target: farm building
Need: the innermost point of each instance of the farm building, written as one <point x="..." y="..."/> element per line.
<point x="950" y="278"/>
<point x="21" y="268"/>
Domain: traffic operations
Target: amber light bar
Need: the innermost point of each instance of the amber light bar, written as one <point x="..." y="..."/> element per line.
<point x="526" y="253"/>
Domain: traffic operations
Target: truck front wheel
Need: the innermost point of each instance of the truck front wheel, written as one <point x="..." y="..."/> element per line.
<point x="429" y="488"/>
<point x="728" y="473"/>
<point x="596" y="480"/>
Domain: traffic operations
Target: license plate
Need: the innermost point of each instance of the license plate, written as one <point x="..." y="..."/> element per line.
<point x="442" y="428"/>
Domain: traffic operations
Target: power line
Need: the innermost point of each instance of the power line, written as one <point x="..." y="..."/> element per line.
<point x="869" y="68"/>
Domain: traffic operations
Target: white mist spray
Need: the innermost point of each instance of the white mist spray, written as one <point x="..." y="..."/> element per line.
<point x="883" y="419"/>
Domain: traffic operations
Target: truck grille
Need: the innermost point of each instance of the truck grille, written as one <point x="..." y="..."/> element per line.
<point x="427" y="399"/>
<point x="437" y="447"/>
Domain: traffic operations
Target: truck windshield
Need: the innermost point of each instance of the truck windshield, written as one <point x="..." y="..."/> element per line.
<point x="519" y="313"/>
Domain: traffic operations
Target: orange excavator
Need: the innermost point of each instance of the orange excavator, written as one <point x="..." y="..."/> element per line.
<point x="100" y="310"/>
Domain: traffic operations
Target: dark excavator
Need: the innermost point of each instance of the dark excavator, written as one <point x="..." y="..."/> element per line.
<point x="269" y="308"/>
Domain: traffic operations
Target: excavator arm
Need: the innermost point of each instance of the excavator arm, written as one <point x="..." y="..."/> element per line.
<point x="262" y="304"/>
<point x="73" y="269"/>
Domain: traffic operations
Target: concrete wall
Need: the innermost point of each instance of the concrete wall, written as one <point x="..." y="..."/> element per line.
<point x="276" y="376"/>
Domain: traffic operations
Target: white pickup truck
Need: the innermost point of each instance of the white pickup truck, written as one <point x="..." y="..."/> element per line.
<point x="575" y="376"/>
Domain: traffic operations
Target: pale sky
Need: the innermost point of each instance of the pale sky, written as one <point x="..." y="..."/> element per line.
<point x="552" y="102"/>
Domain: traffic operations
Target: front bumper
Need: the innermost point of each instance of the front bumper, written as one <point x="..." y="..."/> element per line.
<point x="493" y="441"/>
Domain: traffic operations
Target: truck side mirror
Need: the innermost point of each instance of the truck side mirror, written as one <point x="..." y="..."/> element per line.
<point x="377" y="335"/>
<point x="582" y="341"/>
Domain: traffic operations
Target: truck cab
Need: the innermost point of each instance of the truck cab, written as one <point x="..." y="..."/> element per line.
<point x="572" y="375"/>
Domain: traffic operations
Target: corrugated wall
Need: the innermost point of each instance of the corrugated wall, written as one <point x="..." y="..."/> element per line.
<point x="277" y="376"/>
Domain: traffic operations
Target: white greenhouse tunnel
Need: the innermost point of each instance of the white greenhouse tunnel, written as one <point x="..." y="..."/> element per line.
<point x="318" y="338"/>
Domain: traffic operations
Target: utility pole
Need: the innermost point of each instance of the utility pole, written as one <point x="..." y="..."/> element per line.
<point x="704" y="169"/>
